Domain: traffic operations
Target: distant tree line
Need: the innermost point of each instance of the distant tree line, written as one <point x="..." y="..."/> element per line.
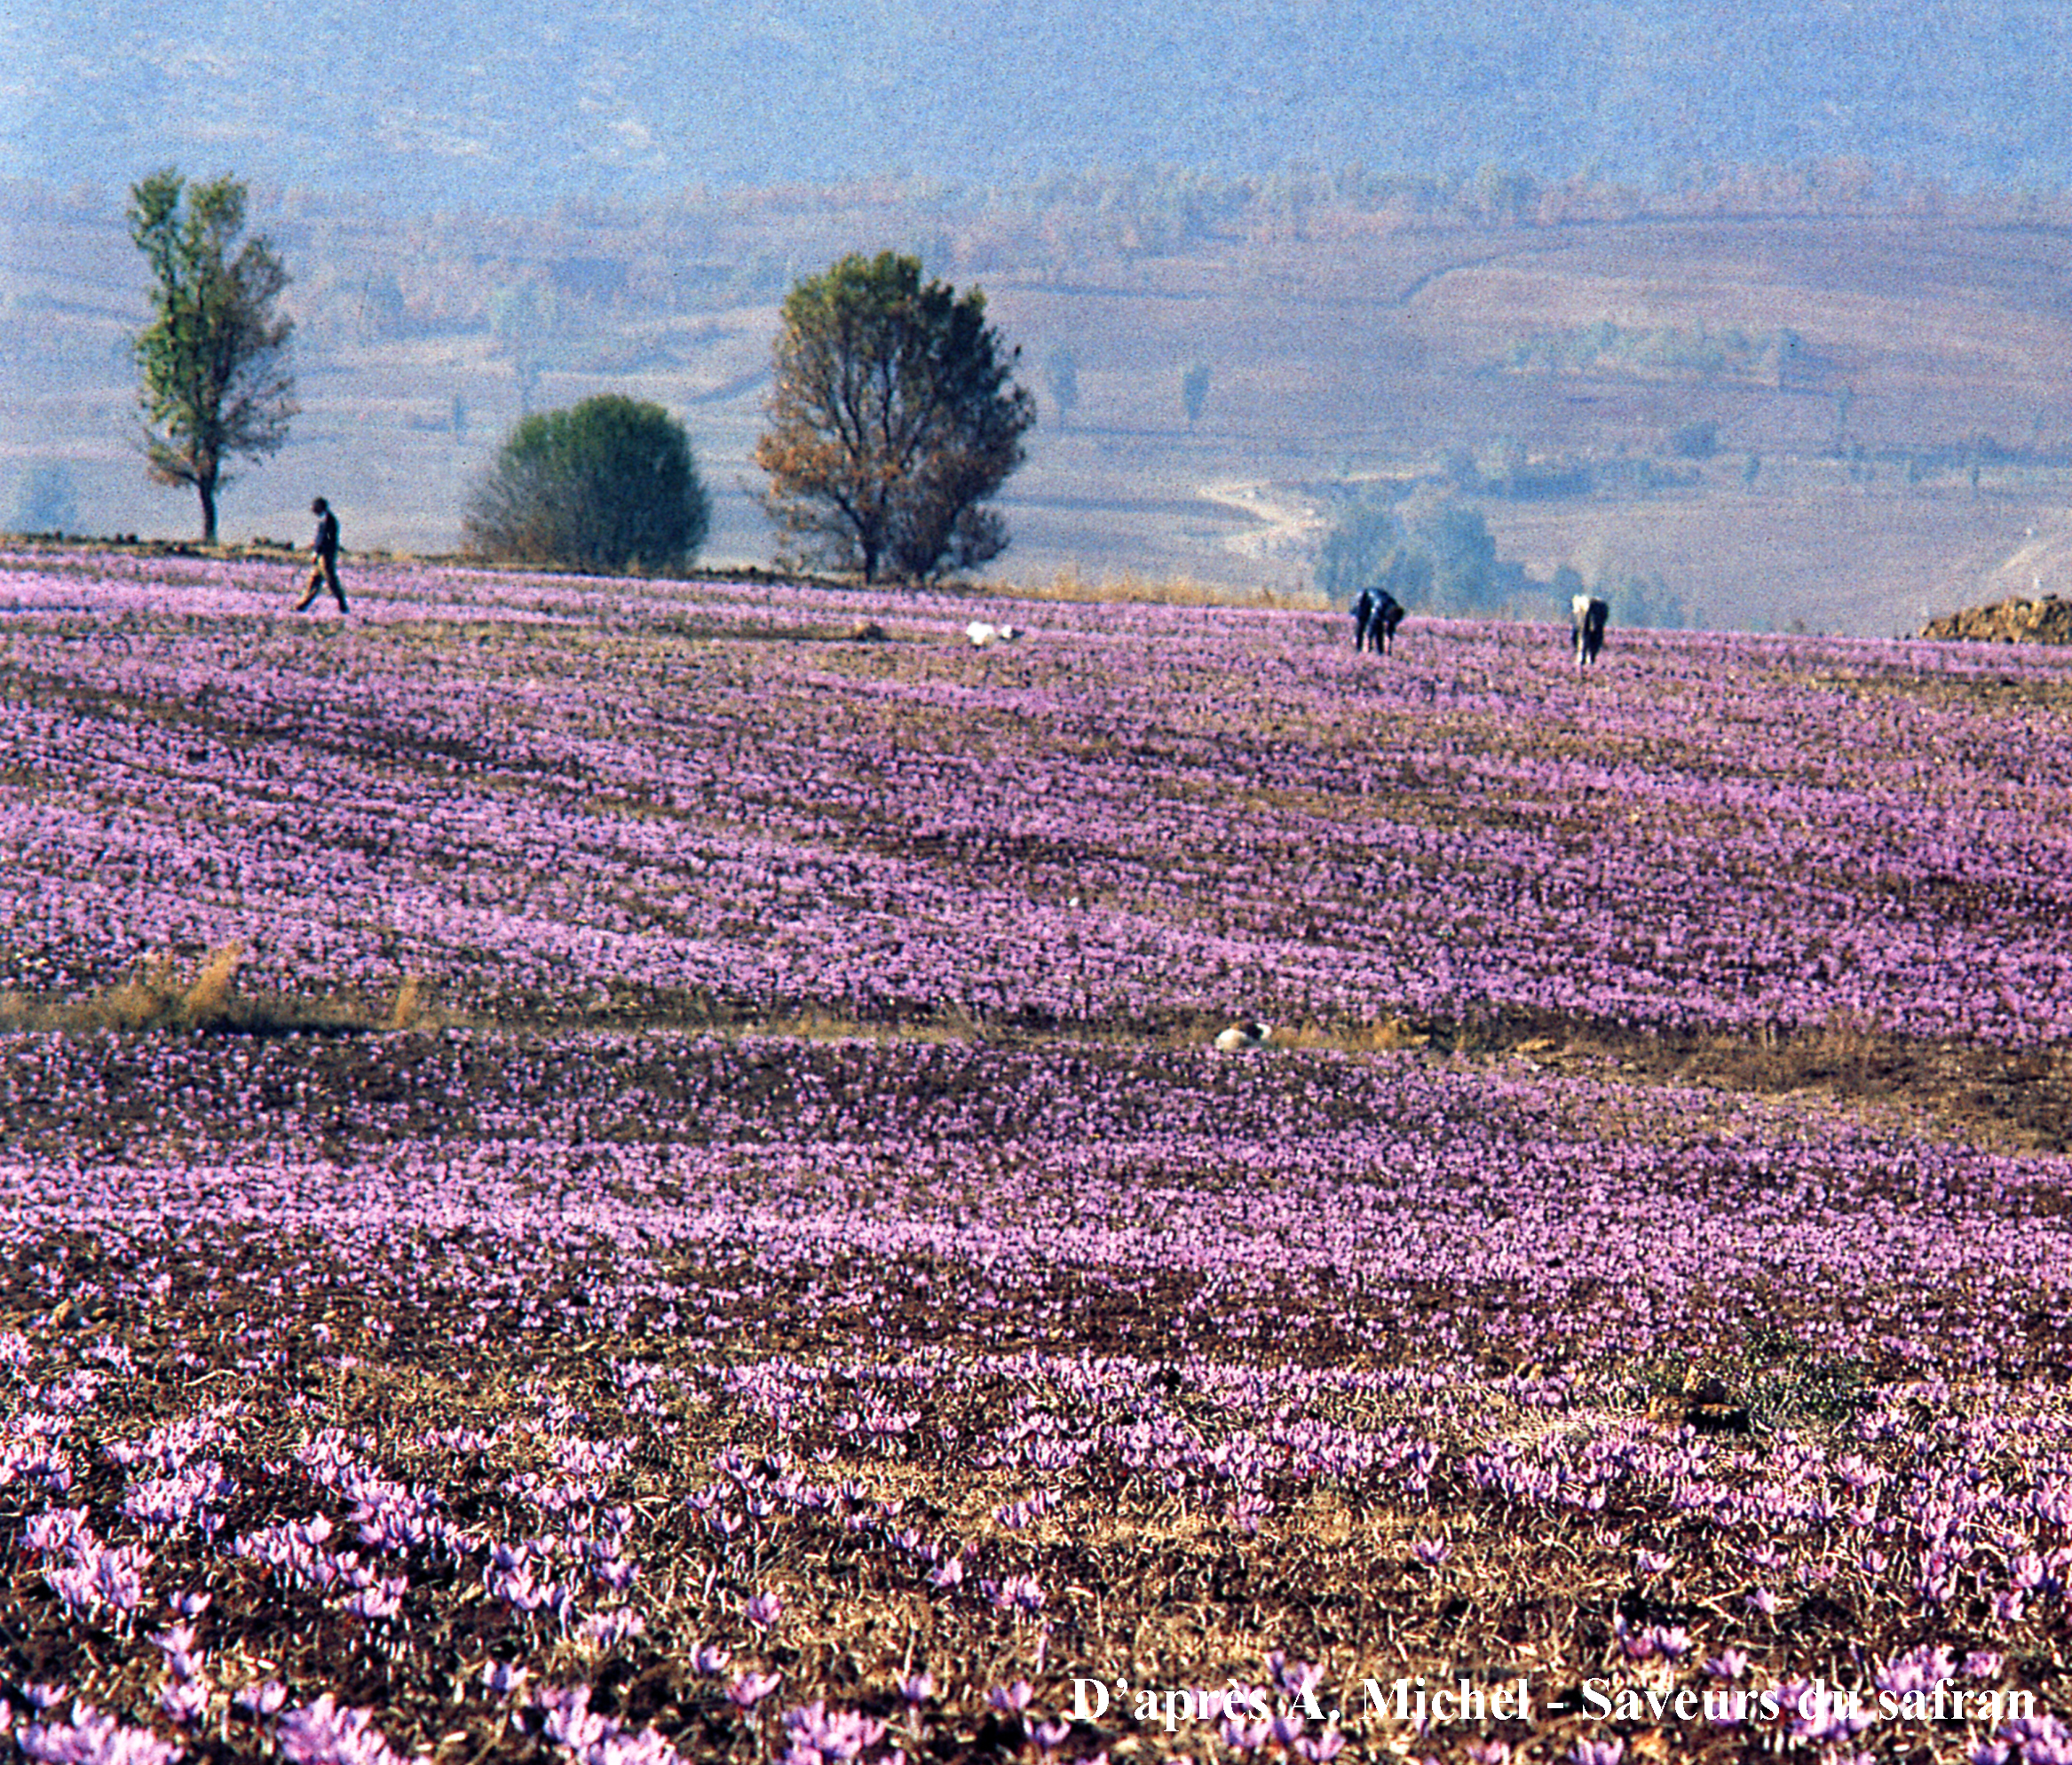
<point x="1772" y="358"/>
<point x="1505" y="470"/>
<point x="587" y="265"/>
<point x="213" y="309"/>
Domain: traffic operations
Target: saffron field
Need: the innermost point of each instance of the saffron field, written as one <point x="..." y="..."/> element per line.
<point x="626" y="1171"/>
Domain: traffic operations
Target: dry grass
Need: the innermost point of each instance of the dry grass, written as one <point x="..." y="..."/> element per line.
<point x="410" y="1011"/>
<point x="162" y="996"/>
<point x="143" y="1003"/>
<point x="1389" y="1035"/>
<point x="1130" y="587"/>
<point x="172" y="994"/>
<point x="208" y="1000"/>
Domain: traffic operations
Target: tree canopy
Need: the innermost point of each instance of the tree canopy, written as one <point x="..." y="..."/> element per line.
<point x="609" y="484"/>
<point x="215" y="384"/>
<point x="1431" y="552"/>
<point x="894" y="416"/>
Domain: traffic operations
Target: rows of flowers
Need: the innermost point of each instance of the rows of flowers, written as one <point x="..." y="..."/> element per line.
<point x="584" y="1369"/>
<point x="759" y="798"/>
<point x="838" y="1398"/>
<point x="1524" y="1214"/>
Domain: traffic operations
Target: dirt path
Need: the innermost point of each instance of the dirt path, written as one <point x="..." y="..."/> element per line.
<point x="1286" y="525"/>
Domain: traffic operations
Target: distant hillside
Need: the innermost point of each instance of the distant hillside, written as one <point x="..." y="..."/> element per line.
<point x="1823" y="408"/>
<point x="428" y="106"/>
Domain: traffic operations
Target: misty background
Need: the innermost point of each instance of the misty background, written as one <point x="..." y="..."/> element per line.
<point x="1763" y="314"/>
<point x="426" y="106"/>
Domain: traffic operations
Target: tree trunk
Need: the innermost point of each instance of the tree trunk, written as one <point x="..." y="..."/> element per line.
<point x="208" y="493"/>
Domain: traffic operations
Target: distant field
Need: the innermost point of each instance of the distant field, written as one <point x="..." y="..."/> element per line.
<point x="1810" y="550"/>
<point x="1925" y="345"/>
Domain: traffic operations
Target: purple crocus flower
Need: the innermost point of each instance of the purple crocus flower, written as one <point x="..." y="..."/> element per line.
<point x="322" y="1734"/>
<point x="750" y="1688"/>
<point x="93" y="1739"/>
<point x="263" y="1700"/>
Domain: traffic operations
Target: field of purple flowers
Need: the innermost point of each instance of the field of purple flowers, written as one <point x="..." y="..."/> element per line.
<point x="537" y="792"/>
<point x="623" y="1172"/>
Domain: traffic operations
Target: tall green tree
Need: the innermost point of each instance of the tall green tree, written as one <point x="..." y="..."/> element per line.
<point x="609" y="484"/>
<point x="215" y="383"/>
<point x="894" y="417"/>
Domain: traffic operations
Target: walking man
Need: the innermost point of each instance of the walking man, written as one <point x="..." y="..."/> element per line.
<point x="323" y="570"/>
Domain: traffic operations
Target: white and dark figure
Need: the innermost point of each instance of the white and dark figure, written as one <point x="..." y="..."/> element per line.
<point x="1376" y="614"/>
<point x="983" y="634"/>
<point x="1382" y="621"/>
<point x="1243" y="1038"/>
<point x="1587" y="616"/>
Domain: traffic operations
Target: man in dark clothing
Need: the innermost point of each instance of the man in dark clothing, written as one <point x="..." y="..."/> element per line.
<point x="1382" y="621"/>
<point x="323" y="570"/>
<point x="1363" y="613"/>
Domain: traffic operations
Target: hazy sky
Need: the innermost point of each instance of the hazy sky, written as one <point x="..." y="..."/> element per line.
<point x="426" y="106"/>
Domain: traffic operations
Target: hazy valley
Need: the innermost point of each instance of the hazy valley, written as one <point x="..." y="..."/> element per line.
<point x="1838" y="407"/>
